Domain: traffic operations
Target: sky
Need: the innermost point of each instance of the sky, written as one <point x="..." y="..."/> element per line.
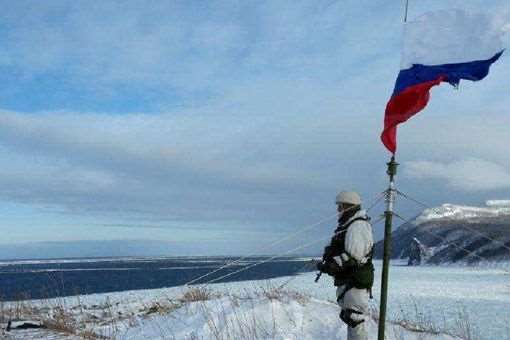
<point x="217" y="127"/>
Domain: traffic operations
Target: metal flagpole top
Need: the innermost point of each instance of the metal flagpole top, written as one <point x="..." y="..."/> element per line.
<point x="405" y="13"/>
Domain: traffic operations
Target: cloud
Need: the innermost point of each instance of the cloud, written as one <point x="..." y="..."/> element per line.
<point x="462" y="175"/>
<point x="176" y="167"/>
<point x="220" y="115"/>
<point x="193" y="51"/>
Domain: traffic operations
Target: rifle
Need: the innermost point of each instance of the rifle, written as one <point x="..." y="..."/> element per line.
<point x="327" y="256"/>
<point x="319" y="274"/>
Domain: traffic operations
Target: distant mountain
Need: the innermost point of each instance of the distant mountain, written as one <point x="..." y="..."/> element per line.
<point x="455" y="233"/>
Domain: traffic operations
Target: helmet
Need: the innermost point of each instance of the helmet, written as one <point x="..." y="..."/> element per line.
<point x="349" y="197"/>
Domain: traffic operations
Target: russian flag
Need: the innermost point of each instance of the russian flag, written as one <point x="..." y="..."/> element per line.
<point x="444" y="46"/>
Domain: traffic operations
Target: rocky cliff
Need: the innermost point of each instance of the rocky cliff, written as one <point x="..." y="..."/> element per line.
<point x="455" y="233"/>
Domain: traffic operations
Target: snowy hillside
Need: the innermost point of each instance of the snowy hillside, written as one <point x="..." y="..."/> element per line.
<point x="271" y="315"/>
<point x="457" y="233"/>
<point x="244" y="310"/>
<point x="424" y="303"/>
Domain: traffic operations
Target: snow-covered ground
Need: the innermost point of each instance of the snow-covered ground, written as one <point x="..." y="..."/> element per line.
<point x="286" y="318"/>
<point x="443" y="297"/>
<point x="469" y="301"/>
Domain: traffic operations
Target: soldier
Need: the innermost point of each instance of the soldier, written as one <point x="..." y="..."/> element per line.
<point x="348" y="258"/>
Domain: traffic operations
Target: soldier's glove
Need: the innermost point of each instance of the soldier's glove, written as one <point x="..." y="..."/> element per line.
<point x="330" y="267"/>
<point x="321" y="266"/>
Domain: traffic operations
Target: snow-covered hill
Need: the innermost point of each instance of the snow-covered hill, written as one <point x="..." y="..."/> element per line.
<point x="256" y="310"/>
<point x="457" y="233"/>
<point x="429" y="299"/>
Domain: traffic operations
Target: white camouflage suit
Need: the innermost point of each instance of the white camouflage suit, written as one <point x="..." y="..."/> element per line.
<point x="358" y="244"/>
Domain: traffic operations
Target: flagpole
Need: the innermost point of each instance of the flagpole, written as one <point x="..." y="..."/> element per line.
<point x="390" y="199"/>
<point x="405" y="13"/>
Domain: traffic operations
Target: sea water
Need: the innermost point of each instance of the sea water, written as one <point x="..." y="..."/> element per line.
<point x="38" y="279"/>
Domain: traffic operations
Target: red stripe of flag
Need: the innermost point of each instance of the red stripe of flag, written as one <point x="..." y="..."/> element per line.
<point x="403" y="106"/>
